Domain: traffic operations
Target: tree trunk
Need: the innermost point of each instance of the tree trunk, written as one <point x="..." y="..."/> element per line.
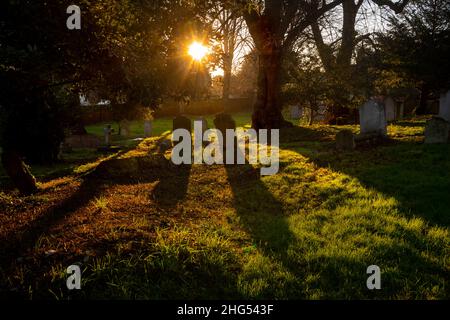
<point x="344" y="56"/>
<point x="19" y="172"/>
<point x="227" y="64"/>
<point x="267" y="108"/>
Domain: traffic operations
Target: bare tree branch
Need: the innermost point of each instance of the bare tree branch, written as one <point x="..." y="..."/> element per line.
<point x="311" y="17"/>
<point x="397" y="7"/>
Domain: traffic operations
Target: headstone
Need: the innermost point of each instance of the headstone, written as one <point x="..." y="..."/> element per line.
<point x="181" y="122"/>
<point x="444" y="106"/>
<point x="390" y="109"/>
<point x="147" y="128"/>
<point x="345" y="140"/>
<point x="223" y="122"/>
<point x="296" y="112"/>
<point x="124" y="128"/>
<point x="372" y="118"/>
<point x="107" y="131"/>
<point x="437" y="130"/>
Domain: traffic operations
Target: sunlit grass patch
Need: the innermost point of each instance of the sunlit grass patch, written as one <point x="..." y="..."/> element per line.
<point x="225" y="232"/>
<point x="100" y="203"/>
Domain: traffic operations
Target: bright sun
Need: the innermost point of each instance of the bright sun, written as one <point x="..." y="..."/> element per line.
<point x="197" y="51"/>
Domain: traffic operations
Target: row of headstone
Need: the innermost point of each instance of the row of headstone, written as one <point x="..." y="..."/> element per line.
<point x="373" y="125"/>
<point x="221" y="122"/>
<point x="182" y="122"/>
<point x="374" y="115"/>
<point x="125" y="130"/>
<point x="393" y="111"/>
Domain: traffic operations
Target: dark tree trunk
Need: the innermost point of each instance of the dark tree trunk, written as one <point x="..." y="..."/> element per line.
<point x="267" y="108"/>
<point x="424" y="93"/>
<point x="19" y="172"/>
<point x="344" y="56"/>
<point x="338" y="66"/>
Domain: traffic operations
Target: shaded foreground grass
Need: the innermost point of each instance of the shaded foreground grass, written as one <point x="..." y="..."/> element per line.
<point x="142" y="228"/>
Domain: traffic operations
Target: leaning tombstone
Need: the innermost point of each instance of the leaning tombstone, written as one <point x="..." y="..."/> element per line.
<point x="147" y="128"/>
<point x="345" y="140"/>
<point x="295" y="112"/>
<point x="372" y="119"/>
<point x="390" y="109"/>
<point x="437" y="130"/>
<point x="444" y="106"/>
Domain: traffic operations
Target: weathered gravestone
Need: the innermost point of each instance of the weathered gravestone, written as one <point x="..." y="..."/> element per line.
<point x="444" y="106"/>
<point x="345" y="140"/>
<point x="107" y="131"/>
<point x="124" y="128"/>
<point x="372" y="119"/>
<point x="181" y="122"/>
<point x="147" y="128"/>
<point x="223" y="122"/>
<point x="437" y="130"/>
<point x="390" y="109"/>
<point x="296" y="112"/>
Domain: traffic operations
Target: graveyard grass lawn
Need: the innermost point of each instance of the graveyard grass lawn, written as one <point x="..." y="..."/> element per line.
<point x="143" y="231"/>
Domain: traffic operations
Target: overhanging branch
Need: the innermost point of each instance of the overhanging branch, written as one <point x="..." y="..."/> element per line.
<point x="397" y="7"/>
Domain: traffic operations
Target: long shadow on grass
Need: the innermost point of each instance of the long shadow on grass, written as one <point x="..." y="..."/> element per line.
<point x="344" y="275"/>
<point x="415" y="174"/>
<point x="260" y="214"/>
<point x="172" y="189"/>
<point x="263" y="217"/>
<point x="107" y="173"/>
